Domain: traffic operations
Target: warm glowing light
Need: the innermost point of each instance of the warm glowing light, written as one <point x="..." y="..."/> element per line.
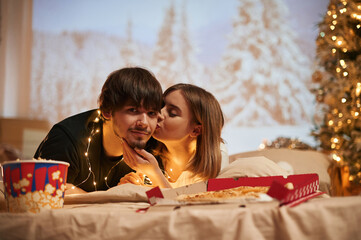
<point x="336" y="157"/>
<point x="343" y="10"/>
<point x="334" y="22"/>
<point x="334" y="38"/>
<point x="86" y="154"/>
<point x="334" y="16"/>
<point x="343" y="63"/>
<point x="343" y="100"/>
<point x="339" y="42"/>
<point x="338" y="69"/>
<point x="89" y="139"/>
<point x="329" y="13"/>
<point x="356" y="16"/>
<point x="330" y="123"/>
<point x="356" y="114"/>
<point x="358" y="89"/>
<point x="340" y="115"/>
<point x="332" y="27"/>
<point x="333" y="50"/>
<point x="333" y="146"/>
<point x="345" y="74"/>
<point x="94" y="183"/>
<point x="358" y="26"/>
<point x="344" y="50"/>
<point x="335" y="140"/>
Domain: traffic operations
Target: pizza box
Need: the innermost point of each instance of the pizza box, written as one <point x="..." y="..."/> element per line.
<point x="287" y="190"/>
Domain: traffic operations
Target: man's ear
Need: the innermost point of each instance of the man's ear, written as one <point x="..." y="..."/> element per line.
<point x="197" y="130"/>
<point x="106" y="115"/>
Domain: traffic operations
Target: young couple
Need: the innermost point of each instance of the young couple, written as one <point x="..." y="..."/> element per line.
<point x="114" y="145"/>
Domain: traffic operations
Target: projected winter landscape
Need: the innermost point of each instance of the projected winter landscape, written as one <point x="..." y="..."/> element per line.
<point x="248" y="53"/>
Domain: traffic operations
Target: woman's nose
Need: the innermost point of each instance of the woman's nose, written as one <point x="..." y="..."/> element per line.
<point x="160" y="116"/>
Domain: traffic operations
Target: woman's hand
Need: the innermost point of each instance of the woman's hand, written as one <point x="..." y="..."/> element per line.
<point x="133" y="178"/>
<point x="139" y="160"/>
<point x="144" y="162"/>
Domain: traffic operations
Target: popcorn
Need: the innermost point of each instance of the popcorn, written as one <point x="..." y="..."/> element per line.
<point x="41" y="187"/>
<point x="289" y="186"/>
<point x="55" y="175"/>
<point x="35" y="201"/>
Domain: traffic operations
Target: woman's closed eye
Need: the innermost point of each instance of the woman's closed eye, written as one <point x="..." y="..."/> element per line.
<point x="173" y="113"/>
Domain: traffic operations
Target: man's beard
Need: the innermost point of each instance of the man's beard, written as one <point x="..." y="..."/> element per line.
<point x="141" y="143"/>
<point x="137" y="144"/>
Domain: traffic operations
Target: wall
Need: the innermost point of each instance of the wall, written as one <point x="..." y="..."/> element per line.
<point x="15" y="57"/>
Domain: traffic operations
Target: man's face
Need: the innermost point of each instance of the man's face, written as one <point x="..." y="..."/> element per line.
<point x="134" y="124"/>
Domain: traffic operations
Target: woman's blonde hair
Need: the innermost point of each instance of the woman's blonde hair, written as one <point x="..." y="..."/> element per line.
<point x="207" y="112"/>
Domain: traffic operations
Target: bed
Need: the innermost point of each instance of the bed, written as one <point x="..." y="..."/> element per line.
<point x="123" y="212"/>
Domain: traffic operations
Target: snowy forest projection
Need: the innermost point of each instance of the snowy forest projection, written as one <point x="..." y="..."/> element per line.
<point x="262" y="77"/>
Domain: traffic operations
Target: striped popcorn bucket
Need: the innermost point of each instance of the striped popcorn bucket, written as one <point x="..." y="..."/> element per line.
<point x="34" y="185"/>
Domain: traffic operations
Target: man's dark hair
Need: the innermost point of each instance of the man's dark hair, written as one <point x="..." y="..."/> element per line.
<point x="132" y="85"/>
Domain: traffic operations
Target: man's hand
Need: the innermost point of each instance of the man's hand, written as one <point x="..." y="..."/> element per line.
<point x="71" y="189"/>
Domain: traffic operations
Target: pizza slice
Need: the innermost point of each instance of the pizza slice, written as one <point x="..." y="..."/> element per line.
<point x="226" y="194"/>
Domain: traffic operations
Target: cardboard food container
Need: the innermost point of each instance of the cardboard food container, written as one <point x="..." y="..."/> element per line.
<point x="287" y="190"/>
<point x="34" y="185"/>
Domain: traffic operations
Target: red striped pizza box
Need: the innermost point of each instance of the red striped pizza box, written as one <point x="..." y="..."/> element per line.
<point x="288" y="190"/>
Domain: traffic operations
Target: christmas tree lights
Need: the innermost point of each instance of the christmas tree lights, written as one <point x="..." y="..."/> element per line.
<point x="338" y="85"/>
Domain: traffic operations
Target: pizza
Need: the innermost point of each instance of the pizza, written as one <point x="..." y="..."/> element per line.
<point x="226" y="194"/>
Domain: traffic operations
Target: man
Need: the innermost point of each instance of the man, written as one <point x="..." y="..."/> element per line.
<point x="91" y="142"/>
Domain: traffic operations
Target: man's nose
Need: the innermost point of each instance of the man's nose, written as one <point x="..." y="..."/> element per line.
<point x="142" y="119"/>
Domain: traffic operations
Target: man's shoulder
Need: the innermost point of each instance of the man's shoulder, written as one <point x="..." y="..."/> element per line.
<point x="78" y="123"/>
<point x="80" y="118"/>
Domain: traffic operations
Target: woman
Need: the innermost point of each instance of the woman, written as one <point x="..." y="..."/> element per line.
<point x="189" y="141"/>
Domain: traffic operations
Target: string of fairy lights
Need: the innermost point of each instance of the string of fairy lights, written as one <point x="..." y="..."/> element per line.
<point x="93" y="132"/>
<point x="339" y="45"/>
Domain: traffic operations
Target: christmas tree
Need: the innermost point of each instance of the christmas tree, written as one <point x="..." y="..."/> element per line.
<point x="263" y="73"/>
<point x="338" y="79"/>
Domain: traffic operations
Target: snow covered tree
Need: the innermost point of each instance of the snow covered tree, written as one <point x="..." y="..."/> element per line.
<point x="129" y="48"/>
<point x="263" y="74"/>
<point x="189" y="69"/>
<point x="69" y="70"/>
<point x="338" y="85"/>
<point x="163" y="60"/>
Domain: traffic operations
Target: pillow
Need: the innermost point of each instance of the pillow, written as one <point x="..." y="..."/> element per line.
<point x="252" y="167"/>
<point x="295" y="162"/>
